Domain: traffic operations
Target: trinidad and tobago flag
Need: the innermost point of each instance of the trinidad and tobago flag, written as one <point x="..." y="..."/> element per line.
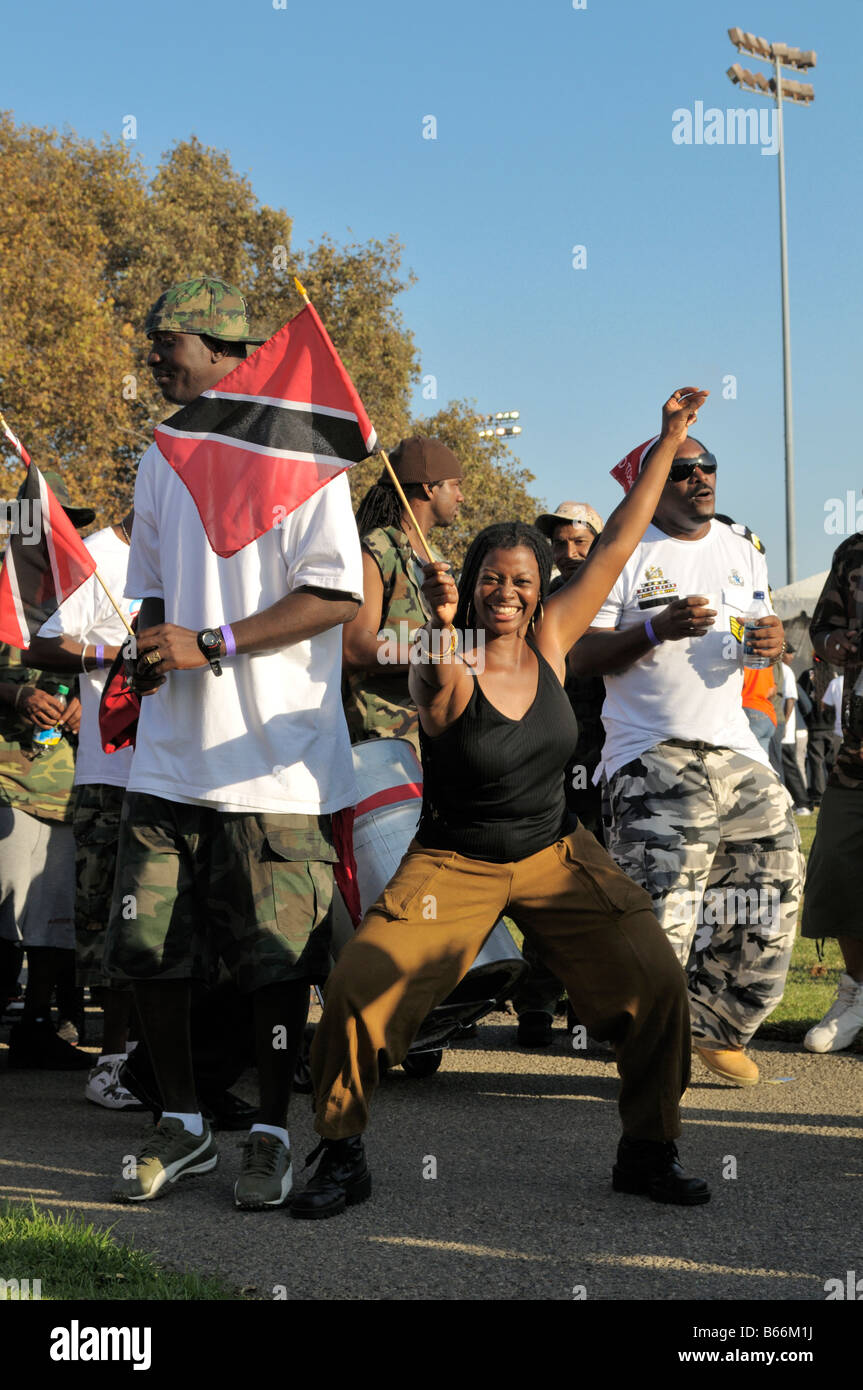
<point x="273" y="432"/>
<point x="45" y="560"/>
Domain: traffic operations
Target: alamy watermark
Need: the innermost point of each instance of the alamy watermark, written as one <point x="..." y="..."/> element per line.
<point x="22" y="516"/>
<point x="737" y="125"/>
<point x="843" y="517"/>
<point x="438" y="647"/>
<point x="20" y="1289"/>
<point x="755" y="907"/>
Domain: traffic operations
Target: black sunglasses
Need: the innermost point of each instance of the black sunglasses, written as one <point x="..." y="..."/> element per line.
<point x="682" y="469"/>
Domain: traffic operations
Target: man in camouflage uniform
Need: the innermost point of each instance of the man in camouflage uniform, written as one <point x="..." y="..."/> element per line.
<point x="694" y="812"/>
<point x="376" y="645"/>
<point x="37" y="849"/>
<point x="833" y="906"/>
<point x="242" y="754"/>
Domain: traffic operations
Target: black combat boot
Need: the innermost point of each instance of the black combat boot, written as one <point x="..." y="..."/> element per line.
<point x="342" y="1179"/>
<point x="652" y="1168"/>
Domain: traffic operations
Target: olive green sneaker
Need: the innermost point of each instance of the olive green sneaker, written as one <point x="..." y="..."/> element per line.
<point x="169" y="1152"/>
<point x="266" y="1176"/>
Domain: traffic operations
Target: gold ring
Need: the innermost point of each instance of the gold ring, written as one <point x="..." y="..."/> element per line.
<point x="152" y="658"/>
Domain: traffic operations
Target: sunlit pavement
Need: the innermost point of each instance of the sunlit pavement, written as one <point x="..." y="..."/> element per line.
<point x="492" y="1181"/>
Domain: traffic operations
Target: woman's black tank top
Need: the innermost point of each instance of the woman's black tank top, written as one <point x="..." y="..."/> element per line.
<point x="493" y="787"/>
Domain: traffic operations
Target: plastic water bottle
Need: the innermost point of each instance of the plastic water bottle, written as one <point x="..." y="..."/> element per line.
<point x="49" y="738"/>
<point x="758" y="610"/>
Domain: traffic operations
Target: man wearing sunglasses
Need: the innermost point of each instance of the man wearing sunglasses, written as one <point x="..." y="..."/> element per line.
<point x="693" y="811"/>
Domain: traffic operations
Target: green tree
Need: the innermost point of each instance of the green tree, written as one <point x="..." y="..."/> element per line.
<point x="88" y="241"/>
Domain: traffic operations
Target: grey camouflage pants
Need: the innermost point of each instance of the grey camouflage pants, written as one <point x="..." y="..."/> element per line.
<point x="711" y="835"/>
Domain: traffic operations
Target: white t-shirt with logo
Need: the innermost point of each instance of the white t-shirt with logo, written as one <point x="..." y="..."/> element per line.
<point x="88" y="616"/>
<point x="269" y="734"/>
<point x="692" y="688"/>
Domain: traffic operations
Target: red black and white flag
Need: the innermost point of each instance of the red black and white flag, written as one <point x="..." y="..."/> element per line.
<point x="629" y="467"/>
<point x="273" y="432"/>
<point x="45" y="560"/>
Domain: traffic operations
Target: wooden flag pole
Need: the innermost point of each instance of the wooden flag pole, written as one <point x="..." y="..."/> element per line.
<point x="405" y="503"/>
<point x="396" y="484"/>
<point x="120" y="614"/>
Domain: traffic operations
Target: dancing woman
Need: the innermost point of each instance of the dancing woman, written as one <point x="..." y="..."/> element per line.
<point x="491" y="840"/>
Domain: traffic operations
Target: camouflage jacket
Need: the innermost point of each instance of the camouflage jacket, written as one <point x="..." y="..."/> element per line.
<point x="841" y="606"/>
<point x="38" y="783"/>
<point x="381" y="706"/>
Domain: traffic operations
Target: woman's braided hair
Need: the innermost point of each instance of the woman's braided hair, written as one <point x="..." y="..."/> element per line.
<point x="503" y="535"/>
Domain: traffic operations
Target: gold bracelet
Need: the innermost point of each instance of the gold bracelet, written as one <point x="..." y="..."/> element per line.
<point x="445" y="656"/>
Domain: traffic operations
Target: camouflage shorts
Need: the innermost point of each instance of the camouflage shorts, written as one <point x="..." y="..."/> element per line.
<point x="711" y="835"/>
<point x="195" y="884"/>
<point x="96" y="822"/>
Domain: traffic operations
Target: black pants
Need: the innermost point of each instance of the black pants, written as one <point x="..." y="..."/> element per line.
<point x="791" y="775"/>
<point x="820" y="753"/>
<point x="223" y="1042"/>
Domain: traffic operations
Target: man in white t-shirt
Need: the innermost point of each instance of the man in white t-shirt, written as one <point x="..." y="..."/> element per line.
<point x="242" y="754"/>
<point x="693" y="812"/>
<point x="86" y="634"/>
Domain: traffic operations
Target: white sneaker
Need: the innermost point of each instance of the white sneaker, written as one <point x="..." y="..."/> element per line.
<point x="103" y="1085"/>
<point x="842" y="1022"/>
<point x="802" y="811"/>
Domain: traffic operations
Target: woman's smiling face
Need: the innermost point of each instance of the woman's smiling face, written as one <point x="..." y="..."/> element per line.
<point x="507" y="590"/>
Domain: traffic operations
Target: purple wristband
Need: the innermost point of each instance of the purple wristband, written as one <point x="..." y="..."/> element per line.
<point x="228" y="639"/>
<point x="654" y="640"/>
<point x="100" y="657"/>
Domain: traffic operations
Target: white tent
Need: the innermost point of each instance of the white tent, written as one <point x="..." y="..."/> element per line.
<point x="799" y="598"/>
<point x="795" y="604"/>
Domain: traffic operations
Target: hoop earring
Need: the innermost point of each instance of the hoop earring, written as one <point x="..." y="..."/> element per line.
<point x="537" y="611"/>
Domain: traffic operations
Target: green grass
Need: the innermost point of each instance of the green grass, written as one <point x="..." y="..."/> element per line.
<point x="75" y="1260"/>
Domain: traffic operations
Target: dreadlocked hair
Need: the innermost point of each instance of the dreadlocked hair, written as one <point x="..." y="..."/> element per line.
<point x="382" y="505"/>
<point x="504" y="535"/>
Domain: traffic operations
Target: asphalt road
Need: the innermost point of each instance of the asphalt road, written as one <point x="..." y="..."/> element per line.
<point x="492" y="1181"/>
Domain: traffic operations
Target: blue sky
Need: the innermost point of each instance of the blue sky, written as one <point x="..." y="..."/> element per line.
<point x="554" y="130"/>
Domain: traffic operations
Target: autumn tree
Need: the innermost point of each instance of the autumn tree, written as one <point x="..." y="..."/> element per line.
<point x="88" y="241"/>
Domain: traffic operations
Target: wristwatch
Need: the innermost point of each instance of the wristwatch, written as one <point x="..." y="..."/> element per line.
<point x="210" y="643"/>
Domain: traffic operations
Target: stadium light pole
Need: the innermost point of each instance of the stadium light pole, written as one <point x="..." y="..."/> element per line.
<point x="502" y="424"/>
<point x="779" y="54"/>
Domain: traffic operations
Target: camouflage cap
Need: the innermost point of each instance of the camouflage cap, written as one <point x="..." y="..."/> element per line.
<point x="203" y="305"/>
<point x="577" y="513"/>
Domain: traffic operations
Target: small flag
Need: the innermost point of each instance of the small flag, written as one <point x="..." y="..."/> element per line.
<point x="273" y="432"/>
<point x="629" y="467"/>
<point x="45" y="560"/>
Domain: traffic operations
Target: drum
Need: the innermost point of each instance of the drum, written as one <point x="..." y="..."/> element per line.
<point x="389" y="776"/>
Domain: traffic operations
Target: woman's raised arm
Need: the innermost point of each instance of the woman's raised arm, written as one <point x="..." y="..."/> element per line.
<point x="569" y="612"/>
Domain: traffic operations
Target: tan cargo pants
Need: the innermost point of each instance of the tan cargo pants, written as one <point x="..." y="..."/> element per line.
<point x="592" y="926"/>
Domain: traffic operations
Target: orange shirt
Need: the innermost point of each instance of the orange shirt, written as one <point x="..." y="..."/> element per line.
<point x="758" y="686"/>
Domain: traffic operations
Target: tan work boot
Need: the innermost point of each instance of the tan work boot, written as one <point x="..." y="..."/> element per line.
<point x="731" y="1063"/>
